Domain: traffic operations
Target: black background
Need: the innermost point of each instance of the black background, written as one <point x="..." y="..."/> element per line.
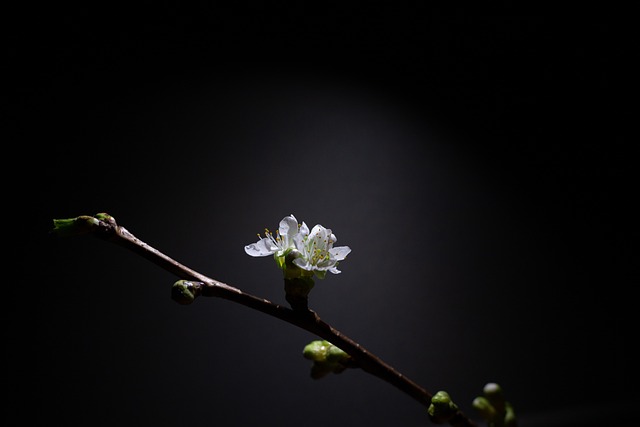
<point x="480" y="167"/>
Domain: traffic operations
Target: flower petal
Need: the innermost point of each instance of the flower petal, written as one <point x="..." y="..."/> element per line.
<point x="316" y="231"/>
<point x="324" y="264"/>
<point x="289" y="226"/>
<point x="340" y="252"/>
<point x="262" y="247"/>
<point x="304" y="229"/>
<point x="303" y="264"/>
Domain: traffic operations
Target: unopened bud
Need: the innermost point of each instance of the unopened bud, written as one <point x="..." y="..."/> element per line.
<point x="185" y="291"/>
<point x="336" y="355"/>
<point x="442" y="408"/>
<point x="316" y="350"/>
<point x="484" y="408"/>
<point x="74" y="226"/>
<point x="326" y="358"/>
<point x="493" y="393"/>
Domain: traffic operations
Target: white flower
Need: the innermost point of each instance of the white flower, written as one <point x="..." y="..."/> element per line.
<point x="298" y="252"/>
<point x="316" y="252"/>
<point x="278" y="245"/>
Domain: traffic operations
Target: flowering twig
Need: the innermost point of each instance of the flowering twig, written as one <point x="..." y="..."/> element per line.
<point x="195" y="284"/>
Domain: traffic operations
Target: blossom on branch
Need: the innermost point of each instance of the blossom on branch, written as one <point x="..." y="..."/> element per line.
<point x="316" y="252"/>
<point x="300" y="252"/>
<point x="280" y="244"/>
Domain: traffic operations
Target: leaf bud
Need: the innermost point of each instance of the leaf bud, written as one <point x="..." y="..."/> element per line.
<point x="184" y="292"/>
<point x="442" y="408"/>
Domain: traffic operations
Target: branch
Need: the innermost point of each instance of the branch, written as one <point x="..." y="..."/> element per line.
<point x="105" y="227"/>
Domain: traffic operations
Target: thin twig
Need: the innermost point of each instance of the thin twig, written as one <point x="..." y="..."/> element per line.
<point x="105" y="227"/>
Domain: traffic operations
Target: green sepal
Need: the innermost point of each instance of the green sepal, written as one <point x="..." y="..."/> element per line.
<point x="320" y="274"/>
<point x="280" y="261"/>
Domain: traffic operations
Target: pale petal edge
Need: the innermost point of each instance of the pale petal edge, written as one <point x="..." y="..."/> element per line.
<point x="303" y="264"/>
<point x="262" y="247"/>
<point x="340" y="252"/>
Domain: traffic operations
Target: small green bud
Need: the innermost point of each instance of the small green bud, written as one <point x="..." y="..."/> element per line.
<point x="105" y="217"/>
<point x="80" y="225"/>
<point x="494" y="408"/>
<point x="316" y="350"/>
<point x="336" y="355"/>
<point x="493" y="393"/>
<point x="185" y="291"/>
<point x="442" y="408"/>
<point x="484" y="408"/>
<point x="326" y="358"/>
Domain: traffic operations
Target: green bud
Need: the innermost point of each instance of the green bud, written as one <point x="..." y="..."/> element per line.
<point x="105" y="217"/>
<point x="336" y="355"/>
<point x="494" y="408"/>
<point x="484" y="408"/>
<point x="80" y="225"/>
<point x="327" y="358"/>
<point x="442" y="408"/>
<point x="493" y="393"/>
<point x="74" y="226"/>
<point x="185" y="292"/>
<point x="316" y="350"/>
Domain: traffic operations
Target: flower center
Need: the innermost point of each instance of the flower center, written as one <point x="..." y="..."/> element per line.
<point x="316" y="249"/>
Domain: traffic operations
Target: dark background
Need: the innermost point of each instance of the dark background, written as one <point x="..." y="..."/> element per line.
<point x="480" y="167"/>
